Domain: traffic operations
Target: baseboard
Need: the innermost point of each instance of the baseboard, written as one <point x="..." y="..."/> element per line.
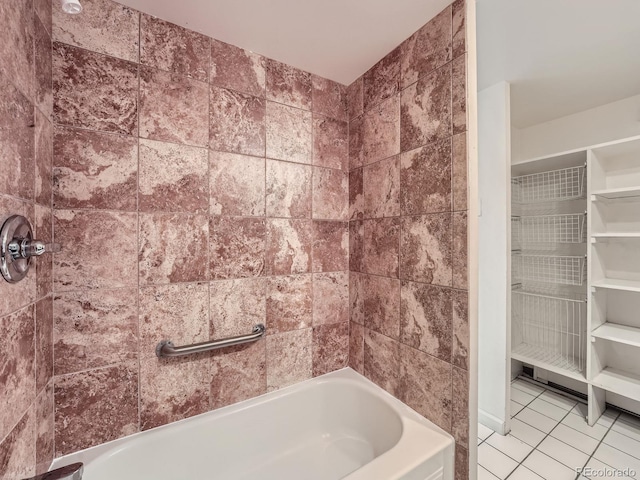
<point x="494" y="423"/>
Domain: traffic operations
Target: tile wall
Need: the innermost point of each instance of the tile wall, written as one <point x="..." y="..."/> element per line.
<point x="408" y="225"/>
<point x="26" y="319"/>
<point x="199" y="189"/>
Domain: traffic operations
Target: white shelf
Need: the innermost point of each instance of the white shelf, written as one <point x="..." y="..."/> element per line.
<point x="614" y="193"/>
<point x="611" y="284"/>
<point x="547" y="360"/>
<point x="616" y="235"/>
<point x="618" y="333"/>
<point x="617" y="381"/>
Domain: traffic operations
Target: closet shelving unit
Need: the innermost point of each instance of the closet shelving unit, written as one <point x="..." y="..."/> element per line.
<point x="576" y="270"/>
<point x="614" y="203"/>
<point x="549" y="269"/>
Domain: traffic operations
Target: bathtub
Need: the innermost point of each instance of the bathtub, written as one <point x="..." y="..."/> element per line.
<point x="337" y="426"/>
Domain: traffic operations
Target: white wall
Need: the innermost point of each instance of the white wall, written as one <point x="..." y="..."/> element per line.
<point x="494" y="342"/>
<point x="612" y="121"/>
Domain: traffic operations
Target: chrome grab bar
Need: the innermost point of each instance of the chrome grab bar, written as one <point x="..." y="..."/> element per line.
<point x="166" y="348"/>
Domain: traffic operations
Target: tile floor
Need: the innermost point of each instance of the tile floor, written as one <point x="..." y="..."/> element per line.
<point x="550" y="440"/>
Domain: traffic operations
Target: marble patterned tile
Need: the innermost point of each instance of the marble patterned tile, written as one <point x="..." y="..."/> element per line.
<point x="427" y="319"/>
<point x="166" y="254"/>
<point x="381" y="246"/>
<point x="356" y="297"/>
<point x="428" y="48"/>
<point x="330" y="246"/>
<point x="173" y="108"/>
<point x="356" y="142"/>
<point x="461" y="329"/>
<point x="173" y="389"/>
<point x="95" y="407"/>
<point x="174" y="48"/>
<point x="17" y="450"/>
<point x="426" y="249"/>
<point x="288" y="85"/>
<point x="94" y="170"/>
<point x="43" y="93"/>
<point x="45" y="428"/>
<point x="236" y="122"/>
<point x="382" y="188"/>
<point x="330" y="142"/>
<point x="17" y="154"/>
<point x="460" y="250"/>
<point x="382" y="80"/>
<point x="459" y="94"/>
<point x="330" y="348"/>
<point x="104" y="26"/>
<point x="356" y="347"/>
<point x="238" y="69"/>
<point x="459" y="171"/>
<point x="44" y="12"/>
<point x="460" y="406"/>
<point x="356" y="246"/>
<point x="289" y="358"/>
<point x="425" y="174"/>
<point x="16" y="40"/>
<point x="16" y="295"/>
<point x="382" y="305"/>
<point x="236" y="306"/>
<point x="330" y="298"/>
<point x="461" y="465"/>
<point x="44" y="342"/>
<point x="178" y="312"/>
<point x="289" y="133"/>
<point x="94" y="329"/>
<point x="94" y="91"/>
<point x="356" y="194"/>
<point x="288" y="190"/>
<point x="43" y="226"/>
<point x="426" y="385"/>
<point x="381" y="131"/>
<point x="355" y="99"/>
<point x="289" y="303"/>
<point x="17" y="366"/>
<point x="330" y="194"/>
<point x="238" y="373"/>
<point x="382" y="361"/>
<point x="237" y="247"/>
<point x="459" y="28"/>
<point x="236" y="184"/>
<point x="288" y="246"/>
<point x="90" y="241"/>
<point x="329" y="98"/>
<point x="43" y="160"/>
<point x="425" y="112"/>
<point x="173" y="178"/>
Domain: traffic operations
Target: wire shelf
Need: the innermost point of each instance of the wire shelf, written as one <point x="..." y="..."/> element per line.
<point x="549" y="269"/>
<point x="556" y="185"/>
<point x="548" y="229"/>
<point x="552" y="329"/>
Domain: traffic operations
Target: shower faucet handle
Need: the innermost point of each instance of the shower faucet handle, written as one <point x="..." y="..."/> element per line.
<point x="18" y="248"/>
<point x="31" y="248"/>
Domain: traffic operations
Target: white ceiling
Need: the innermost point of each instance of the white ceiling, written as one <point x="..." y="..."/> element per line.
<point x="560" y="56"/>
<point x="336" y="39"/>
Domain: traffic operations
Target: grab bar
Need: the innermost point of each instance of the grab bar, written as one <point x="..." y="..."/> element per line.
<point x="166" y="348"/>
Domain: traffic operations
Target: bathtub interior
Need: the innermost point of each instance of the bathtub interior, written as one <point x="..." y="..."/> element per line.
<point x="321" y="430"/>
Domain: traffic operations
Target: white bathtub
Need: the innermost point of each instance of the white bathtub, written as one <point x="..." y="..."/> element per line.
<point x="336" y="426"/>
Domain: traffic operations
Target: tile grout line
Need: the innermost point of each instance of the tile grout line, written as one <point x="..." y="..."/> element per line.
<point x="539" y="443"/>
<point x="578" y="474"/>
